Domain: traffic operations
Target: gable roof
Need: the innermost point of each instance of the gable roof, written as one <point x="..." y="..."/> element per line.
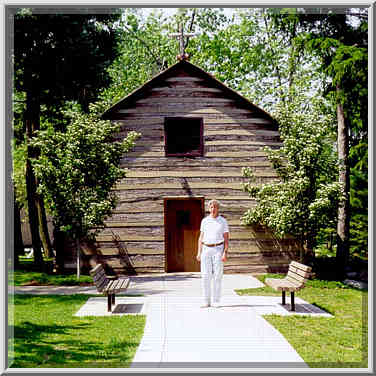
<point x="130" y="99"/>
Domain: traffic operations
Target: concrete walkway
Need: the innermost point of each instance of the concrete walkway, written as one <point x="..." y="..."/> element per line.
<point x="179" y="333"/>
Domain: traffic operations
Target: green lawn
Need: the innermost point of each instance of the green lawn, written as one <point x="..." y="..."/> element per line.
<point x="338" y="342"/>
<point x="26" y="277"/>
<point x="46" y="334"/>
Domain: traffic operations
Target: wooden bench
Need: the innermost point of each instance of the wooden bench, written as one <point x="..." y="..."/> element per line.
<point x="108" y="286"/>
<point x="295" y="280"/>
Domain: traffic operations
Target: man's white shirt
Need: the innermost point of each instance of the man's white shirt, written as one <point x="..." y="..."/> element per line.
<point x="213" y="229"/>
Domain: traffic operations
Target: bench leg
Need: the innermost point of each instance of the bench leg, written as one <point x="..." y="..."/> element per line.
<point x="283" y="297"/>
<point x="109" y="301"/>
<point x="113" y="299"/>
<point x="292" y="301"/>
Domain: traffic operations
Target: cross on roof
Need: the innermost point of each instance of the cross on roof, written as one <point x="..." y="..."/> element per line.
<point x="181" y="36"/>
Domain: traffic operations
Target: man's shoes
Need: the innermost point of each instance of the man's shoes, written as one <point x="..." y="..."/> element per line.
<point x="205" y="306"/>
<point x="215" y="305"/>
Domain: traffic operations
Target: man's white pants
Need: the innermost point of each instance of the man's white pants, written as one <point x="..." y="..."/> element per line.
<point x="211" y="270"/>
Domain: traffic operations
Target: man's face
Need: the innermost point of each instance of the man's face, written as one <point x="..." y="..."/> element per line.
<point x="213" y="208"/>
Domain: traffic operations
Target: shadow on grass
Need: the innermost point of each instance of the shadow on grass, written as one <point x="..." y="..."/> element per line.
<point x="32" y="348"/>
<point x="325" y="309"/>
<point x="32" y="332"/>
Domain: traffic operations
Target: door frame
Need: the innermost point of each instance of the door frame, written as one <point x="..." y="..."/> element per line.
<point x="176" y="198"/>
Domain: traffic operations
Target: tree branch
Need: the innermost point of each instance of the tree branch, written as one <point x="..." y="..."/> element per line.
<point x="273" y="52"/>
<point x="156" y="59"/>
<point x="190" y="26"/>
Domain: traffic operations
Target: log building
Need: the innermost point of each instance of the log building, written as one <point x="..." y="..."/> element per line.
<point x="197" y="134"/>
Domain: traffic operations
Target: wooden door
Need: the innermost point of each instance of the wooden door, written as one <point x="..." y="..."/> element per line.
<point x="182" y="229"/>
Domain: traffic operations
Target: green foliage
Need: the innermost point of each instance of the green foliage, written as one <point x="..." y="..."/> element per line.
<point x="77" y="170"/>
<point x="19" y="106"/>
<point x="144" y="49"/>
<point x="19" y="149"/>
<point x="57" y="57"/>
<point x="19" y="154"/>
<point x="359" y="200"/>
<point x="305" y="198"/>
<point x="346" y="65"/>
<point x="255" y="58"/>
<point x="326" y="242"/>
<point x="61" y="57"/>
<point x="343" y="49"/>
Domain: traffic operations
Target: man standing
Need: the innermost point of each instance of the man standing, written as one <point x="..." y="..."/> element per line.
<point x="212" y="252"/>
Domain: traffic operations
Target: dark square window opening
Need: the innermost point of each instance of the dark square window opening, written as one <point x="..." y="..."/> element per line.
<point x="184" y="137"/>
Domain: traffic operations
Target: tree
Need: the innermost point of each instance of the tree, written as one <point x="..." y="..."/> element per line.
<point x="57" y="57"/>
<point x="144" y="50"/>
<point x="305" y="197"/>
<point x="77" y="170"/>
<point x="298" y="35"/>
<point x="252" y="55"/>
<point x="342" y="48"/>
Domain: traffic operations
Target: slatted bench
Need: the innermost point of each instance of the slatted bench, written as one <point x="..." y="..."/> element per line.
<point x="295" y="280"/>
<point x="107" y="285"/>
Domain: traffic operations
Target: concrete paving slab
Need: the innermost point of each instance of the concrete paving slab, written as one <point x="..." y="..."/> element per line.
<point x="235" y="333"/>
<point x="123" y="306"/>
<point x="267" y="305"/>
<point x="187" y="284"/>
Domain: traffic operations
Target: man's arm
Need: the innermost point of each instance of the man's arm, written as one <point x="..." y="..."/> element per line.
<point x="199" y="246"/>
<point x="226" y="237"/>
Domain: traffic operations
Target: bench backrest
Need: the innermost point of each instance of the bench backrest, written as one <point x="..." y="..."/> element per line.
<point x="298" y="274"/>
<point x="99" y="277"/>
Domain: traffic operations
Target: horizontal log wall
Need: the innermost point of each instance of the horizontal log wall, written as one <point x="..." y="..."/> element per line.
<point x="234" y="137"/>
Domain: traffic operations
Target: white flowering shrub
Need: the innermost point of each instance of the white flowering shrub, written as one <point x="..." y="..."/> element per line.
<point x="306" y="197"/>
<point x="77" y="170"/>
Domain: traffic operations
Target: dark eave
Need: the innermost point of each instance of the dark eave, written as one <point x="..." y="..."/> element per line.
<point x="131" y="98"/>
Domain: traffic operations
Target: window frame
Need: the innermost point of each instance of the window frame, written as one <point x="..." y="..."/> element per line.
<point x="196" y="153"/>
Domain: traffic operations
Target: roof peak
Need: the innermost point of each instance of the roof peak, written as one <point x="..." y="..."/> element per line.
<point x="133" y="96"/>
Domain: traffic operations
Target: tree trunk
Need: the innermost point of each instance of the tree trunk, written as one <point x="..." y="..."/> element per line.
<point x="343" y="226"/>
<point x="309" y="256"/>
<point x="302" y="248"/>
<point x="38" y="226"/>
<point x="43" y="229"/>
<point x="78" y="258"/>
<point x="18" y="242"/>
<point x="33" y="214"/>
<point x="59" y="242"/>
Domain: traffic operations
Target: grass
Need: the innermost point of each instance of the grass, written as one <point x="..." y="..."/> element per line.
<point x="47" y="335"/>
<point x="338" y="342"/>
<point x="26" y="275"/>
